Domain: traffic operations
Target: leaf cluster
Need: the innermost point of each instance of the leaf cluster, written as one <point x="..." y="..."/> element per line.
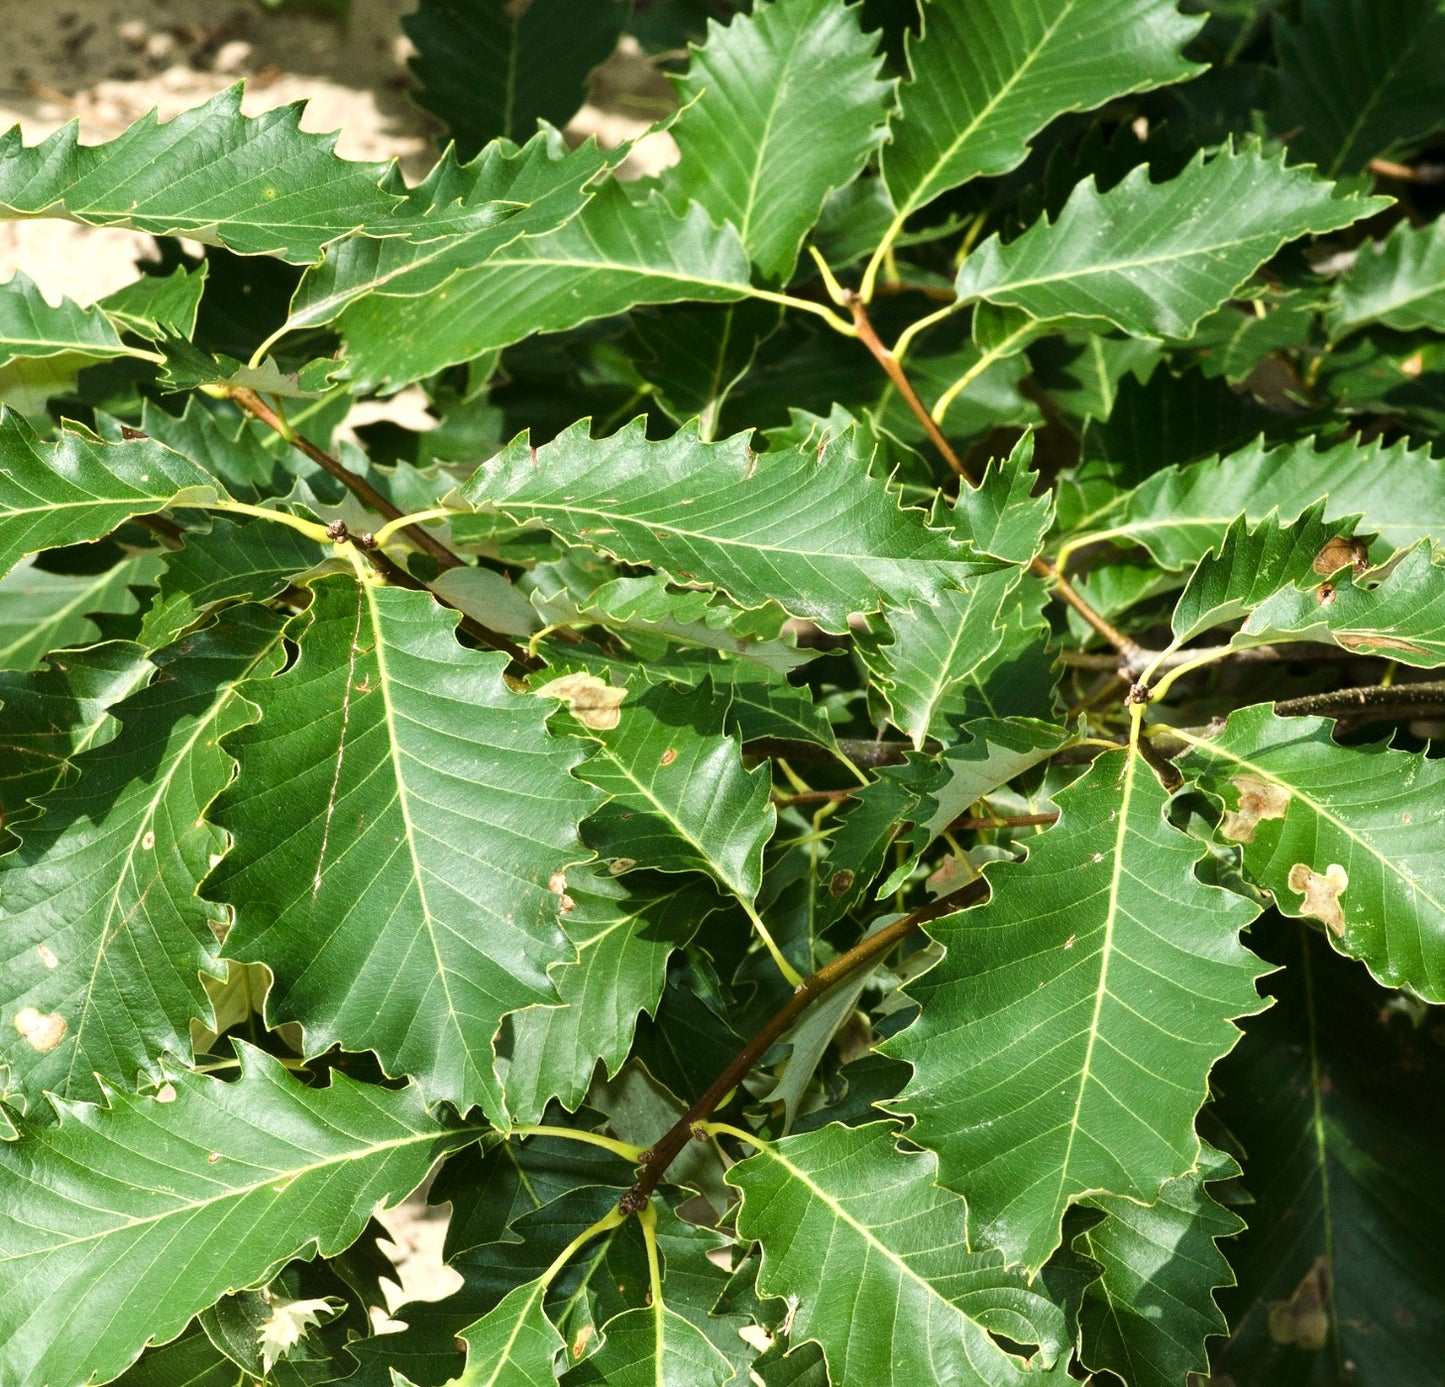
<point x="865" y="797"/>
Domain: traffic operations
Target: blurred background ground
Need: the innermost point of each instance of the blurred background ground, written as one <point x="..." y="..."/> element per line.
<point x="106" y="63"/>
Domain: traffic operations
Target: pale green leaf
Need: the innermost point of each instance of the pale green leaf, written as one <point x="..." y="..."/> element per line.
<point x="1148" y="1315"/>
<point x="1066" y="1039"/>
<point x="655" y="1347"/>
<point x="1399" y="281"/>
<point x="615" y="253"/>
<point x="1179" y="514"/>
<point x="915" y="1305"/>
<point x="939" y="647"/>
<point x="625" y="930"/>
<point x="1357" y="78"/>
<point x="42" y="611"/>
<point x="396" y="788"/>
<point x="1351" y="837"/>
<point x="104" y="935"/>
<point x="989" y="75"/>
<point x="74" y="489"/>
<point x="680" y="798"/>
<point x="159" y="306"/>
<point x="226" y="1180"/>
<point x="490" y="68"/>
<point x="514" y="1344"/>
<point x="31" y="327"/>
<point x="453" y="221"/>
<point x="780" y="107"/>
<point x="1001" y="515"/>
<point x="1398" y="614"/>
<point x="1255" y="564"/>
<point x="250" y="561"/>
<point x="806" y="527"/>
<point x="256" y="185"/>
<point x="1154" y="258"/>
<point x="55" y="713"/>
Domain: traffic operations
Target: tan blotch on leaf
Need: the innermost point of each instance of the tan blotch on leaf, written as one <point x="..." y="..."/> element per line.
<point x="43" y="1030"/>
<point x="1321" y="893"/>
<point x="1339" y="553"/>
<point x="1258" y="799"/>
<point x="594" y="703"/>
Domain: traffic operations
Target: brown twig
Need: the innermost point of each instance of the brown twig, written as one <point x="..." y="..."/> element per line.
<point x="359" y="487"/>
<point x="1424" y="174"/>
<point x="1373" y="703"/>
<point x="869" y="951"/>
<point x="813" y="796"/>
<point x="1129" y="650"/>
<point x="865" y="754"/>
<point x="893" y="368"/>
<point x="254" y="405"/>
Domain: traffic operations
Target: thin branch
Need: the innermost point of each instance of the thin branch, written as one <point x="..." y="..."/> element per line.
<point x="859" y="751"/>
<point x="862" y="955"/>
<point x="359" y="487"/>
<point x="1129" y="650"/>
<point x="813" y="796"/>
<point x="1374" y="703"/>
<point x="893" y="368"/>
<point x="254" y="405"/>
<point x="973" y="822"/>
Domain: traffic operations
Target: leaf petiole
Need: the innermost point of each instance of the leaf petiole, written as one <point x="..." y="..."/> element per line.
<point x="634" y="1154"/>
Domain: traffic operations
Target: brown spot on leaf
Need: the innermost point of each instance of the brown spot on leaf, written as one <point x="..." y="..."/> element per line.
<point x="43" y="1030"/>
<point x="1339" y="553"/>
<point x="47" y="956"/>
<point x="1325" y="594"/>
<point x="557" y="885"/>
<point x="840" y="881"/>
<point x="213" y="1158"/>
<point x="593" y="702"/>
<point x="617" y="865"/>
<point x="584" y="1335"/>
<point x="1258" y="799"/>
<point x="1321" y="892"/>
<point x="668" y="757"/>
<point x="1304" y="1319"/>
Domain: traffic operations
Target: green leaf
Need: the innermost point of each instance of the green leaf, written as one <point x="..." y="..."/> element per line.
<point x="1356" y="79"/>
<point x="251" y="561"/>
<point x="104" y="935"/>
<point x="625" y="930"/>
<point x="57" y="712"/>
<point x="75" y="490"/>
<point x="1066" y="1039"/>
<point x="655" y="1347"/>
<point x="42" y="611"/>
<point x="495" y="68"/>
<point x="513" y="1344"/>
<point x="1255" y="564"/>
<point x="1399" y="281"/>
<point x="613" y="254"/>
<point x="397" y="789"/>
<point x="932" y="1305"/>
<point x="808" y="528"/>
<point x="988" y="76"/>
<point x="254" y="184"/>
<point x="1001" y="515"/>
<point x="92" y="1207"/>
<point x="453" y="221"/>
<point x="779" y="108"/>
<point x="31" y="327"/>
<point x="159" y="306"/>
<point x="1154" y="258"/>
<point x="1347" y="836"/>
<point x="1402" y="618"/>
<point x="1148" y="1315"/>
<point x="1179" y="514"/>
<point x="679" y="797"/>
<point x="1340" y="1264"/>
<point x="929" y="671"/>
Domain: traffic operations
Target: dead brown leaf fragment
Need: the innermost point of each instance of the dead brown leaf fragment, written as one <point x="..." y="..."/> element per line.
<point x="1258" y="799"/>
<point x="1339" y="553"/>
<point x="1321" y="892"/>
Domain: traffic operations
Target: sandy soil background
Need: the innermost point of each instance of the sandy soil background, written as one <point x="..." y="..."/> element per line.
<point x="107" y="62"/>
